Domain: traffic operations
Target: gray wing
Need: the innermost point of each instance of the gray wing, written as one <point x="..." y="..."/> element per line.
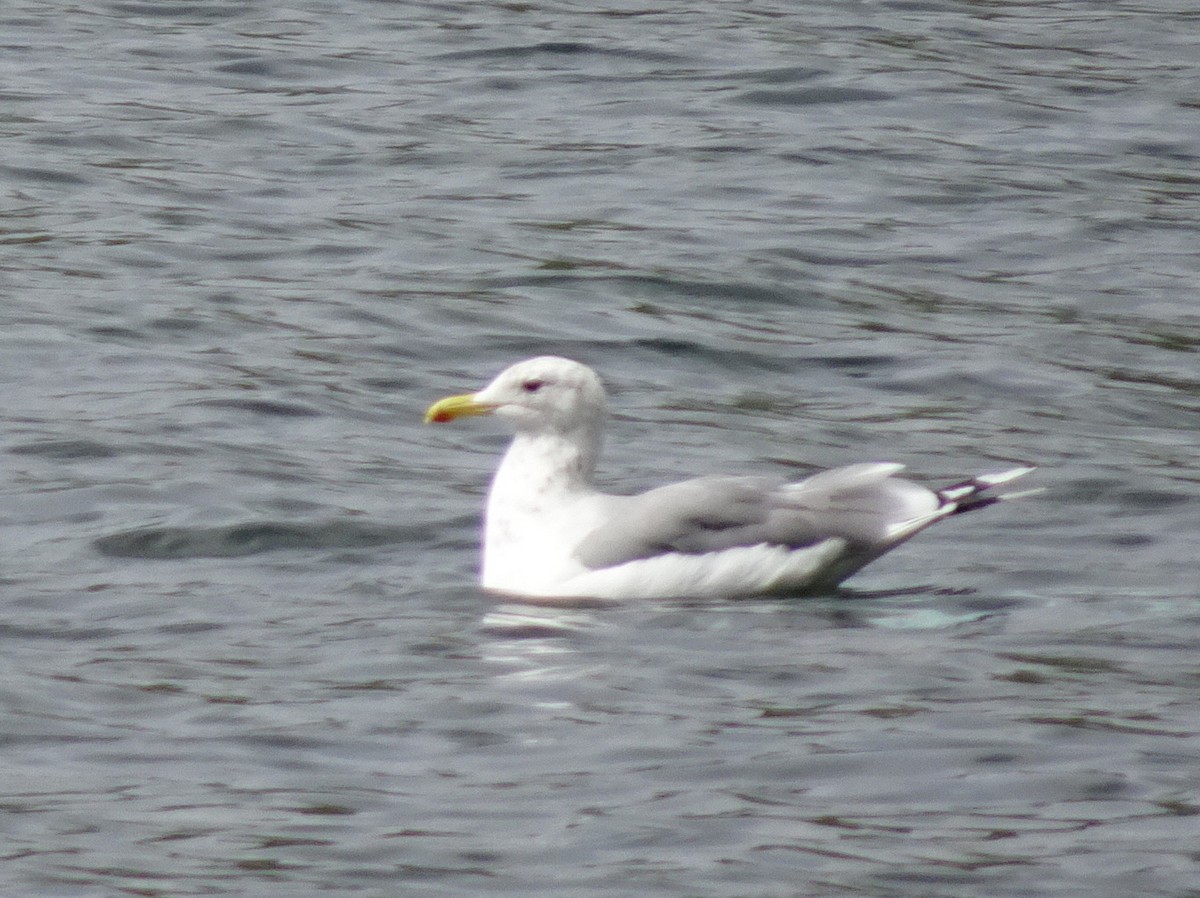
<point x="860" y="503"/>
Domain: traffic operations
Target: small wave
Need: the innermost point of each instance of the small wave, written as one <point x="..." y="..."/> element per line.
<point x="810" y="96"/>
<point x="65" y="450"/>
<point x="236" y="540"/>
<point x="273" y="407"/>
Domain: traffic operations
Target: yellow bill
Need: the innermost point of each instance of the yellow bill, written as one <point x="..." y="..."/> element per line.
<point x="453" y="407"/>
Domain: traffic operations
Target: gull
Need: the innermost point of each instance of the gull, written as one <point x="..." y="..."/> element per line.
<point x="550" y="533"/>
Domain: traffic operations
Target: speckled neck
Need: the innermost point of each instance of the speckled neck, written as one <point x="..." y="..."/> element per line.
<point x="539" y="464"/>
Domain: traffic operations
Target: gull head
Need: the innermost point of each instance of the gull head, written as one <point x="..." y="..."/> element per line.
<point x="543" y="395"/>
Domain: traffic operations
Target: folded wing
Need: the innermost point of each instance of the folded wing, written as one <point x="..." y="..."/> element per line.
<point x="866" y="505"/>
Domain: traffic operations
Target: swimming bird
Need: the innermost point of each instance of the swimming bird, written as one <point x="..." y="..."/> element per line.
<point x="549" y="532"/>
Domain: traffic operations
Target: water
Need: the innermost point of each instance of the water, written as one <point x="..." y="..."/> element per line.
<point x="245" y="245"/>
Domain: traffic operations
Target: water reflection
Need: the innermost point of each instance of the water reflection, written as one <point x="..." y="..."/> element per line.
<point x="920" y="607"/>
<point x="536" y="642"/>
<point x="533" y="620"/>
<point x="538" y="633"/>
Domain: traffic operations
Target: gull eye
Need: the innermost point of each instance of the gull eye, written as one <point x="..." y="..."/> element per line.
<point x="532" y="386"/>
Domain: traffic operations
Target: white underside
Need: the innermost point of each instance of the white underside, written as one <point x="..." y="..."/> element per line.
<point x="743" y="571"/>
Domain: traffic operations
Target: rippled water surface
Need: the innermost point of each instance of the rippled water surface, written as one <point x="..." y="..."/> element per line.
<point x="244" y="245"/>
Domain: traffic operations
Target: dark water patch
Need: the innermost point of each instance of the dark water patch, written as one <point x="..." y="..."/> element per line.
<point x="272" y="407"/>
<point x="115" y="332"/>
<point x="1069" y="664"/>
<point x="258" y="67"/>
<point x="170" y="324"/>
<point x="370" y="686"/>
<point x="415" y="871"/>
<point x="813" y="96"/>
<point x="195" y="12"/>
<point x="21" y="238"/>
<point x="339" y="251"/>
<point x="283" y="741"/>
<point x="42" y="176"/>
<point x="1107" y="722"/>
<point x="190" y="627"/>
<point x="47" y="740"/>
<point x="273" y="842"/>
<point x="64" y="632"/>
<point x="783" y="75"/>
<point x="561" y="49"/>
<point x="238" y="540"/>
<point x="469" y="739"/>
<point x="739" y="294"/>
<point x="326" y="810"/>
<point x="815" y="256"/>
<point x="641" y="288"/>
<point x="1160" y="337"/>
<point x="988" y="604"/>
<point x="860" y="364"/>
<point x="65" y="450"/>
<point x="741" y="360"/>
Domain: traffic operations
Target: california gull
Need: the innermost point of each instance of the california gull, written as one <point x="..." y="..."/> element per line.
<point x="550" y="533"/>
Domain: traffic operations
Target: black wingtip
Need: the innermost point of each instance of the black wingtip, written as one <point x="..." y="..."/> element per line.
<point x="979" y="492"/>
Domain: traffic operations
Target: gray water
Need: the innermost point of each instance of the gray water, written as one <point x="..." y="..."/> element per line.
<point x="245" y="245"/>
